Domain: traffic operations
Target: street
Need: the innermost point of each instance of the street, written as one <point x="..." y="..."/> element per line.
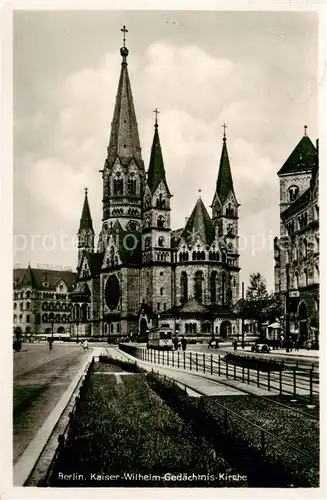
<point x="40" y="378"/>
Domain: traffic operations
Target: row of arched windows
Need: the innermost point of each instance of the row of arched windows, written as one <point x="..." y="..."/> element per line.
<point x="184" y="256"/>
<point x="190" y="327"/>
<point x="304" y="281"/>
<point x="81" y="312"/>
<point x="56" y="306"/>
<point x="56" y="318"/>
<point x="118" y="186"/>
<point x="198" y="285"/>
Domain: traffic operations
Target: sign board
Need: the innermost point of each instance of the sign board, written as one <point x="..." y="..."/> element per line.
<point x="294" y="294"/>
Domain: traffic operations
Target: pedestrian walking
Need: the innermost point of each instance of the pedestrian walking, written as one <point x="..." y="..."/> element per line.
<point x="183" y="342"/>
<point x="217" y="344"/>
<point x="235" y="345"/>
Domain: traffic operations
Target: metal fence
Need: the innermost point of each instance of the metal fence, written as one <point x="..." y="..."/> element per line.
<point x="290" y="381"/>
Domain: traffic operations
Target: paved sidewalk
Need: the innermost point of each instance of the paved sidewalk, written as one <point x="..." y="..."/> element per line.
<point x="301" y="354"/>
<point x="210" y="385"/>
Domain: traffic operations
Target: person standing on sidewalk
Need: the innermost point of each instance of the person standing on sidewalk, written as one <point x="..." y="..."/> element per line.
<point x="183" y="342"/>
<point x="235" y="345"/>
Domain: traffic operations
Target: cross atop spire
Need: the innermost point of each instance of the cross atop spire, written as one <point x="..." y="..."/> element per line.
<point x="124" y="30"/>
<point x="85" y="190"/>
<point x="224" y="127"/>
<point x="156" y="112"/>
<point x="200" y="191"/>
<point x="305" y="129"/>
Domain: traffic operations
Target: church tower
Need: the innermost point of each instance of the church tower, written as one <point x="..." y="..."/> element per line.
<point x="225" y="217"/>
<point x="156" y="235"/>
<point x="85" y="233"/>
<point x="123" y="173"/>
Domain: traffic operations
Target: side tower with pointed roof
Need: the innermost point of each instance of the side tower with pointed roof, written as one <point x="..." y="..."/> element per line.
<point x="225" y="215"/>
<point x="85" y="232"/>
<point x="156" y="236"/>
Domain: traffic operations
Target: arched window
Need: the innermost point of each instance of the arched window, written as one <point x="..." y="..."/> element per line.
<point x="198" y="285"/>
<point x="184" y="284"/>
<point x="45" y="318"/>
<point x="15" y="318"/>
<point x="317" y="244"/>
<point x="160" y="202"/>
<point x="305" y="249"/>
<point x="305" y="275"/>
<point x="112" y="256"/>
<point x="28" y="294"/>
<point x="161" y="241"/>
<point x="28" y="305"/>
<point x="131" y="186"/>
<point x="293" y="192"/>
<point x="287" y="257"/>
<point x="180" y="257"/>
<point x="203" y="256"/>
<point x="296" y="279"/>
<point x="15" y="305"/>
<point x="213" y="286"/>
<point x="161" y="291"/>
<point x="198" y="256"/>
<point x="229" y="210"/>
<point x="194" y="256"/>
<point x="118" y="186"/>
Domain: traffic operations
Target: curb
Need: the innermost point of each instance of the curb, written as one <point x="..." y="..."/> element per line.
<point x="25" y="464"/>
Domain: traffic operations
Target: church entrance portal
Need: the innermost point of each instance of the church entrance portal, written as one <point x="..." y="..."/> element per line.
<point x="225" y="329"/>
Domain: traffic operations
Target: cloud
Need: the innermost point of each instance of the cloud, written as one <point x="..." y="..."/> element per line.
<point x="62" y="134"/>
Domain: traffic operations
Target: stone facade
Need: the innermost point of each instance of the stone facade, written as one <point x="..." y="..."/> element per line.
<point x="41" y="303"/>
<point x="297" y="249"/>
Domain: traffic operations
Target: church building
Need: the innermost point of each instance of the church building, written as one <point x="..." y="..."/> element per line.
<point x="143" y="273"/>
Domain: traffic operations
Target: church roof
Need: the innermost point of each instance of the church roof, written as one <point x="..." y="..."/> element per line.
<point x="302" y="157"/>
<point x="95" y="262"/>
<point x="199" y="224"/>
<point x="42" y="279"/>
<point x="225" y="181"/>
<point x="156" y="172"/>
<point x="86" y="219"/>
<point x="193" y="306"/>
<point x="124" y="139"/>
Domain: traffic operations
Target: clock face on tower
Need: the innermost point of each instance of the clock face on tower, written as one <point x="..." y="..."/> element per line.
<point x="112" y="292"/>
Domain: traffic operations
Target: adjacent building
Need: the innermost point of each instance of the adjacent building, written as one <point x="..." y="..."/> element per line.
<point x="297" y="248"/>
<point x="41" y="303"/>
<point x="143" y="273"/>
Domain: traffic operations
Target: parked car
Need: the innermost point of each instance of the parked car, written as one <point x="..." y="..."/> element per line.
<point x="260" y="348"/>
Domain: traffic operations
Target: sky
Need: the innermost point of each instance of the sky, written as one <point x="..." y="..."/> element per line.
<point x="254" y="71"/>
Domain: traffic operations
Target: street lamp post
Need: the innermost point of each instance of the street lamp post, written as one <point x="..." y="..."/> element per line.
<point x="287" y="320"/>
<point x="51" y="318"/>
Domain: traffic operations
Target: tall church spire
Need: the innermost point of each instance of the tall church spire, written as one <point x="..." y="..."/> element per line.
<point x="85" y="232"/>
<point x="124" y="138"/>
<point x="86" y="219"/>
<point x="225" y="180"/>
<point x="156" y="172"/>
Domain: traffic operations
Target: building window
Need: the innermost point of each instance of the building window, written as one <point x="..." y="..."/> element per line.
<point x="160" y="202"/>
<point x="184" y="293"/>
<point x="316" y="273"/>
<point x="15" y="318"/>
<point x="28" y="294"/>
<point x="111" y="327"/>
<point x="213" y="286"/>
<point x="28" y="318"/>
<point x="296" y="279"/>
<point x="20" y="318"/>
<point x="118" y="186"/>
<point x="161" y="291"/>
<point x="21" y="306"/>
<point x="161" y="241"/>
<point x="158" y="306"/>
<point x="305" y="274"/>
<point x="293" y="192"/>
<point x="131" y="186"/>
<point x="198" y="285"/>
<point x="15" y="305"/>
<point x="305" y="249"/>
<point x="28" y="305"/>
<point x="164" y="306"/>
<point x="229" y="210"/>
<point x="161" y="221"/>
<point x="118" y="327"/>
